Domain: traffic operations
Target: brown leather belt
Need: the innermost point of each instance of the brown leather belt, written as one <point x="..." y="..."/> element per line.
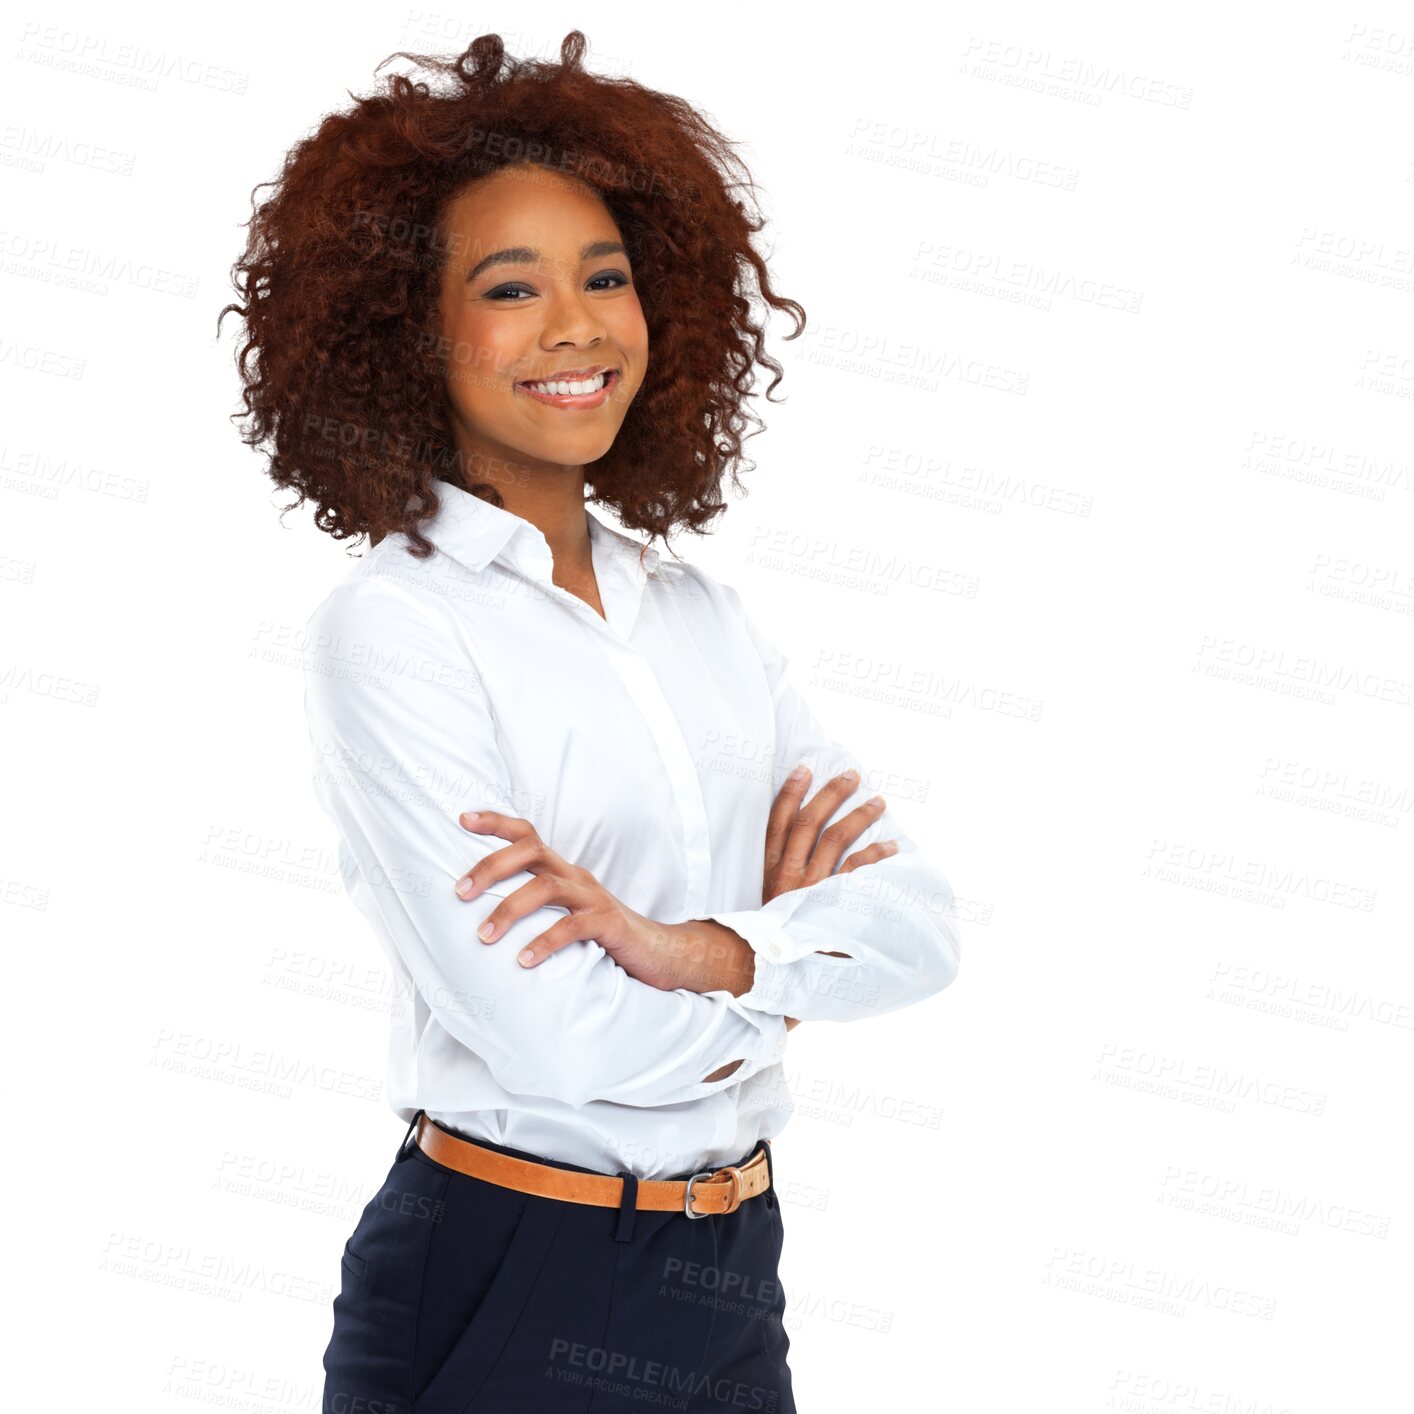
<point x="712" y="1191"/>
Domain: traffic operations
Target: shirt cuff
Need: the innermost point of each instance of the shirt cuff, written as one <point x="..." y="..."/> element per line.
<point x="775" y="950"/>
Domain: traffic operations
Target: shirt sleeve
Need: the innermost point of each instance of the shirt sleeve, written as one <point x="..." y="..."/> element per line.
<point x="892" y="916"/>
<point x="404" y="741"/>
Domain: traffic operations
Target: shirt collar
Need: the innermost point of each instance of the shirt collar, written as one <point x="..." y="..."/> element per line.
<point x="475" y="532"/>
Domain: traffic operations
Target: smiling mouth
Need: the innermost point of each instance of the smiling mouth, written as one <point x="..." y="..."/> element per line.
<point x="585" y="392"/>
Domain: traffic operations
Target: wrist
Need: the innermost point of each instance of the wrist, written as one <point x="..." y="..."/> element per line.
<point x="704" y="940"/>
<point x="710" y="957"/>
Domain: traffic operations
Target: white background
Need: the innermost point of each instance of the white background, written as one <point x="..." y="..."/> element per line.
<point x="1086" y="522"/>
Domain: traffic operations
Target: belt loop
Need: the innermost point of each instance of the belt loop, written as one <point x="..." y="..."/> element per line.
<point x="770" y="1170"/>
<point x="403" y="1150"/>
<point x="628" y="1206"/>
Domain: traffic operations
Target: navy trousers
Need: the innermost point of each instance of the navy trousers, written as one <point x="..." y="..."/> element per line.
<point x="462" y="1297"/>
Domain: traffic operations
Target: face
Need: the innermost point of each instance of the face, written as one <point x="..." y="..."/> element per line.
<point x="537" y="286"/>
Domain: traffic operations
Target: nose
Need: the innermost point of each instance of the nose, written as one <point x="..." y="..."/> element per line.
<point x="571" y="319"/>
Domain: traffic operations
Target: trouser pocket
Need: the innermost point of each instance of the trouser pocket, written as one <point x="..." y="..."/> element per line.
<point x="368" y="1361"/>
<point x="464" y="1366"/>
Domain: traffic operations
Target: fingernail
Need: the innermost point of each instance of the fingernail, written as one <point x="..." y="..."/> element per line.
<point x="525" y="957"/>
<point x="851" y="774"/>
<point x="464" y="887"/>
<point x="890" y="846"/>
<point x="469" y="816"/>
<point x="799" y="774"/>
<point x="876" y="800"/>
<point x="486" y="929"/>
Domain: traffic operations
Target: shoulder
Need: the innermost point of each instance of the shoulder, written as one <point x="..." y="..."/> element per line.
<point x="717" y="611"/>
<point x="387" y="599"/>
<point x="693" y="582"/>
<point x="727" y="607"/>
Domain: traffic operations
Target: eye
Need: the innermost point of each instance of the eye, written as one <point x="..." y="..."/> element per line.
<point x="510" y="294"/>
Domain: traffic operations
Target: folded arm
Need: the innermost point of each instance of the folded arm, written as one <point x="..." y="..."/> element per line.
<point x="857" y="944"/>
<point x="403" y="742"/>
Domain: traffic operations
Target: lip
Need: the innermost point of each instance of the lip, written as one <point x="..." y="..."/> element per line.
<point x="579" y="401"/>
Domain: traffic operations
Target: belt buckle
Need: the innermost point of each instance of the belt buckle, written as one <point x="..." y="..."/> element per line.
<point x="733" y="1203"/>
<point x="687" y="1198"/>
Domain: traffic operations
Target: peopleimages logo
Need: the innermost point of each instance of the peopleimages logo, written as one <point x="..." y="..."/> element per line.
<point x="633" y="1374"/>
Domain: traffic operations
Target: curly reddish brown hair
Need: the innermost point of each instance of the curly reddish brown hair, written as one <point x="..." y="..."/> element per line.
<point x="344" y="378"/>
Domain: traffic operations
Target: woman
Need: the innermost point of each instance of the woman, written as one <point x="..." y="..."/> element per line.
<point x="465" y="309"/>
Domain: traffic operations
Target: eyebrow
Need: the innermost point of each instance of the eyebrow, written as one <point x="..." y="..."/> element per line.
<point x="526" y="255"/>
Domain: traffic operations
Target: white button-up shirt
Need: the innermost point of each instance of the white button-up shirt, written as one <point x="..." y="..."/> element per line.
<point x="646" y="746"/>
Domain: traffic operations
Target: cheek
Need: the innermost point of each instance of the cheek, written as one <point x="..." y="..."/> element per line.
<point x="623" y="317"/>
<point x="628" y="329"/>
<point x="481" y="355"/>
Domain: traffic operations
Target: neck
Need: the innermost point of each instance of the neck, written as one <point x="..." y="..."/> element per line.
<point x="552" y="500"/>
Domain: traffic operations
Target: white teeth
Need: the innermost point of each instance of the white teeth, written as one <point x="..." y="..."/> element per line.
<point x="578" y="388"/>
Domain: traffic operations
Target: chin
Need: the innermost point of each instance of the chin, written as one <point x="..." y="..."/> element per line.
<point x="571" y="451"/>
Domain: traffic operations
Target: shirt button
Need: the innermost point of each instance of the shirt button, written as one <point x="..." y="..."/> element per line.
<point x="772" y="949"/>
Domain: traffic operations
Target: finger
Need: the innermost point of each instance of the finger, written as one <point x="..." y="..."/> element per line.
<point x="835" y="839"/>
<point x="577" y="927"/>
<point x="490" y="822"/>
<point x="784" y="809"/>
<point x="530" y="855"/>
<point x="805" y="828"/>
<point x="880" y="849"/>
<point x="540" y="892"/>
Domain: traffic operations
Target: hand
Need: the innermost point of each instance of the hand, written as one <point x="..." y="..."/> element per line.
<point x="643" y="948"/>
<point x="799" y="852"/>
